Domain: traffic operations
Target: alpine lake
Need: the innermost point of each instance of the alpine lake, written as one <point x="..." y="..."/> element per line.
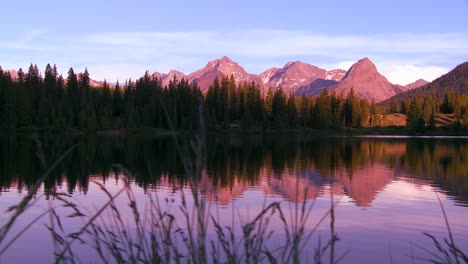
<point x="357" y="199"/>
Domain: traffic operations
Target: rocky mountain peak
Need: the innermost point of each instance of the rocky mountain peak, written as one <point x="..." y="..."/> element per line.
<point x="366" y="81"/>
<point x="220" y="68"/>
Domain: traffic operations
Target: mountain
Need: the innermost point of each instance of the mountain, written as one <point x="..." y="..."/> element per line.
<point x="410" y="86"/>
<point x="415" y="84"/>
<point x="266" y="75"/>
<point x="293" y="76"/>
<point x="366" y="81"/>
<point x="456" y="80"/>
<point x="296" y="78"/>
<point x="165" y="78"/>
<point x="297" y="75"/>
<point x="335" y="75"/>
<point x="220" y="68"/>
<point x="315" y="87"/>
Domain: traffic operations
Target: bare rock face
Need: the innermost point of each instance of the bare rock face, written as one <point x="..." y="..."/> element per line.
<point x="266" y="75"/>
<point x="300" y="78"/>
<point x="335" y="75"/>
<point x="367" y="82"/>
<point x="293" y="76"/>
<point x="220" y="68"/>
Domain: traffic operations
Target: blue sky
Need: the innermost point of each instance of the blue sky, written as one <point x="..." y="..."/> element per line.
<point x="407" y="40"/>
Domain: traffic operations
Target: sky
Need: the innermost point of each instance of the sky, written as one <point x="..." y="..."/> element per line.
<point x="407" y="40"/>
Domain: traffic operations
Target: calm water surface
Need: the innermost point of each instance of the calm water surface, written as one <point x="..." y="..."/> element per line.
<point x="385" y="188"/>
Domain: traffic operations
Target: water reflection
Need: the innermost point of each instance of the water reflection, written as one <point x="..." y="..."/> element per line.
<point x="290" y="167"/>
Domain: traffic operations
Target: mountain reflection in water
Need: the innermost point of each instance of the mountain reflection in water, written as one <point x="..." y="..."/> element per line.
<point x="385" y="186"/>
<point x="293" y="168"/>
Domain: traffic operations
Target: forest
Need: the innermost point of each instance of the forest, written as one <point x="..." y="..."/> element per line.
<point x="31" y="100"/>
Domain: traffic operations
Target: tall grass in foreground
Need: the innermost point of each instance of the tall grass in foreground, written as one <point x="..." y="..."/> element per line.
<point x="155" y="235"/>
<point x="448" y="252"/>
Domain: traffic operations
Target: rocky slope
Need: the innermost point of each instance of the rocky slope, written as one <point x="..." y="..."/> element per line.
<point x="298" y="75"/>
<point x="219" y="68"/>
<point x="364" y="78"/>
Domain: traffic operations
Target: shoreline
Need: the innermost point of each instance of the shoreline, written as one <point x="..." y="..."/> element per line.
<point x="373" y="132"/>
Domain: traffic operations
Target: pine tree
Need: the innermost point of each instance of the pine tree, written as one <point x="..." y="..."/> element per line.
<point x="291" y="112"/>
<point x="224" y="102"/>
<point x="84" y="87"/>
<point x="233" y="99"/>
<point x="404" y="106"/>
<point x="304" y="111"/>
<point x="8" y="117"/>
<point x="279" y="109"/>
<point x="73" y="95"/>
<point x="24" y="101"/>
<point x="117" y="101"/>
<point x="415" y="118"/>
<point x="351" y="110"/>
<point x="336" y="108"/>
<point x="211" y="103"/>
<point x="322" y="114"/>
<point x="105" y="107"/>
<point x="432" y="122"/>
<point x="447" y="105"/>
<point x="269" y="104"/>
<point x="393" y="105"/>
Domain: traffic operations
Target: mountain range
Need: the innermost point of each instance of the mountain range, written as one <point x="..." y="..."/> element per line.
<point x="295" y="78"/>
<point x="299" y="78"/>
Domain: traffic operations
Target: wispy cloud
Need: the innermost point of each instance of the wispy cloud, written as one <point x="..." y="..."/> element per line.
<point x="108" y="52"/>
<point x="276" y="43"/>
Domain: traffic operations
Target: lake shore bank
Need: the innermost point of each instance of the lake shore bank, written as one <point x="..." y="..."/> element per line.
<point x="373" y="131"/>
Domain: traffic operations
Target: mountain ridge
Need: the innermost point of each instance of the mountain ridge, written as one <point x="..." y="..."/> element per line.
<point x="366" y="81"/>
<point x="295" y="78"/>
<point x="300" y="78"/>
<point x="455" y="80"/>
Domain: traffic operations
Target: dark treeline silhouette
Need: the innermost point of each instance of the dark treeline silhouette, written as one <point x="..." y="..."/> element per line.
<point x="229" y="104"/>
<point x="32" y="101"/>
<point x="152" y="161"/>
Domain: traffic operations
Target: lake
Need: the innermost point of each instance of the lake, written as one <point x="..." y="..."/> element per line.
<point x="386" y="192"/>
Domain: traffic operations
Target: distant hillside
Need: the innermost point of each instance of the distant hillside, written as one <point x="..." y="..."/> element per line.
<point x="416" y="84"/>
<point x="315" y="87"/>
<point x="456" y="80"/>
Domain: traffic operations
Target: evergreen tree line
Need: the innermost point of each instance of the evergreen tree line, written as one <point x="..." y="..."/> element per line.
<point x="30" y="100"/>
<point x="228" y="103"/>
<point x="421" y="111"/>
